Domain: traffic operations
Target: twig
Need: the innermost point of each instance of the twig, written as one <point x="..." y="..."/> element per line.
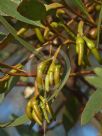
<point x="76" y="13"/>
<point x="25" y="74"/>
<point x="82" y="73"/>
<point x="11" y="67"/>
<point x="55" y="31"/>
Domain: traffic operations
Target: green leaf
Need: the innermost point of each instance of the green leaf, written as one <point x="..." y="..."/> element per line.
<point x="8" y="7"/>
<point x="12" y="82"/>
<point x="16" y="122"/>
<point x="32" y="9"/>
<point x="98" y="71"/>
<point x="19" y="121"/>
<point x="14" y="33"/>
<point x="17" y="1"/>
<point x="93" y="106"/>
<point x="78" y="4"/>
<point x="95" y="102"/>
<point x="2" y="125"/>
<point x="67" y="123"/>
<point x="2" y="13"/>
<point x="95" y="81"/>
<point x="71" y="112"/>
<point x="98" y="27"/>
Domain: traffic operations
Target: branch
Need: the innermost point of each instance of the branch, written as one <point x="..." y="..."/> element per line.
<point x="79" y="15"/>
<point x="11" y="67"/>
<point x="25" y="74"/>
<point x="88" y="72"/>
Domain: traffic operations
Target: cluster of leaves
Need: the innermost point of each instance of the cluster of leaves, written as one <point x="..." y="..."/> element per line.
<point x="33" y="13"/>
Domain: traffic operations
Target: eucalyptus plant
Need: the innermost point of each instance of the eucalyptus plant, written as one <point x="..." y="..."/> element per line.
<point x="66" y="41"/>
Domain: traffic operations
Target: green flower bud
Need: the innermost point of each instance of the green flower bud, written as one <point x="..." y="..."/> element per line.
<point x="36" y="119"/>
<point x="47" y="83"/>
<point x="57" y="74"/>
<point x="54" y="24"/>
<point x="39" y="35"/>
<point x="43" y="107"/>
<point x="80" y="49"/>
<point x="89" y="43"/>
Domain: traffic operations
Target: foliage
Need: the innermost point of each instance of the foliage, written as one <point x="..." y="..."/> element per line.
<point x="94" y="104"/>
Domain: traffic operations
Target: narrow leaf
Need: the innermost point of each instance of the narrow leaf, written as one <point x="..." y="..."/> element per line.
<point x="93" y="106"/>
<point x="95" y="81"/>
<point x="8" y="7"/>
<point x="98" y="27"/>
<point x="11" y="83"/>
<point x="14" y="33"/>
<point x="19" y="121"/>
<point x="16" y="122"/>
<point x="32" y="9"/>
<point x="98" y="71"/>
<point x="79" y="5"/>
